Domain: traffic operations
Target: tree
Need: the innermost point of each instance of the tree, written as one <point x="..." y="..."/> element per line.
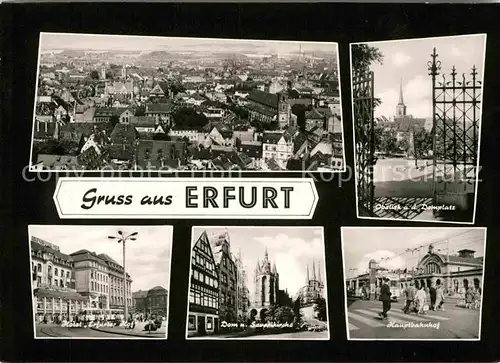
<point x="422" y="141"/>
<point x="388" y="142"/>
<point x="298" y="108"/>
<point x="161" y="137"/>
<point x="188" y="117"/>
<point x="94" y="74"/>
<point x="113" y="120"/>
<point x="283" y="314"/>
<point x="363" y="56"/>
<point x="320" y="309"/>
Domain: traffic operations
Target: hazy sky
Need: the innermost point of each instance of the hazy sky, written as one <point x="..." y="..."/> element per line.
<point x="360" y="245"/>
<point x="408" y="60"/>
<point x="59" y="41"/>
<point x="147" y="258"/>
<point x="291" y="248"/>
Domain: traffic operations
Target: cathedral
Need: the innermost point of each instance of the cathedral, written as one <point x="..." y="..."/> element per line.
<point x="266" y="280"/>
<point x="313" y="288"/>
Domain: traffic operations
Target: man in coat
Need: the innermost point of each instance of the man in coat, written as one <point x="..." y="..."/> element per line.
<point x="410" y="293"/>
<point x="432" y="294"/>
<point x="385" y="297"/>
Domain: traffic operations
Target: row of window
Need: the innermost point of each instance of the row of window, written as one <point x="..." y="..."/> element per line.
<point x="203" y="262"/>
<point x="203" y="299"/>
<point x="209" y="323"/>
<point x="200" y="276"/>
<point x="57" y="272"/>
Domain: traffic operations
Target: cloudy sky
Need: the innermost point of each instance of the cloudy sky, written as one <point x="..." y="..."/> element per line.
<point x="407" y="60"/>
<point x="147" y="258"/>
<point x="361" y="244"/>
<point x="60" y="41"/>
<point x="291" y="248"/>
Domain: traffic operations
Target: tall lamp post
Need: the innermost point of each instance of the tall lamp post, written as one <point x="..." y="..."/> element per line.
<point x="122" y="239"/>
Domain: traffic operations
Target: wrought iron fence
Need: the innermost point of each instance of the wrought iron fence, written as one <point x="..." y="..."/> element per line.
<point x="363" y="104"/>
<point x="456" y="102"/>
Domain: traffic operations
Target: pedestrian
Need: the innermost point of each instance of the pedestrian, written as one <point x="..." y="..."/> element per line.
<point x="477" y="298"/>
<point x="469" y="298"/>
<point x="420" y="297"/>
<point x="439" y="298"/>
<point x="410" y="293"/>
<point x="432" y="294"/>
<point x="385" y="297"/>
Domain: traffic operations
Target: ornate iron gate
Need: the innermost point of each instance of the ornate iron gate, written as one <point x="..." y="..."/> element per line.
<point x="456" y="117"/>
<point x="363" y="102"/>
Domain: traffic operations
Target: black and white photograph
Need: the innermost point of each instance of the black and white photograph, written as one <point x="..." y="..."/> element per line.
<point x="140" y="103"/>
<point x="417" y="107"/>
<point x="100" y="282"/>
<point x="264" y="283"/>
<point x="413" y="283"/>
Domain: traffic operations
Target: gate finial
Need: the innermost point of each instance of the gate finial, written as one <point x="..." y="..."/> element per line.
<point x="434" y="66"/>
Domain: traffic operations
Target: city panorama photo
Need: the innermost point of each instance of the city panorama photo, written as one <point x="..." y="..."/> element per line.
<point x="100" y="282"/>
<point x="264" y="283"/>
<point x="413" y="283"/>
<point x="417" y="119"/>
<point x="138" y="103"/>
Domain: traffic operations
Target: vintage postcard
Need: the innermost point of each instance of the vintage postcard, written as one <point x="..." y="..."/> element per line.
<point x="138" y="103"/>
<point x="264" y="283"/>
<point x="413" y="283"/>
<point x="100" y="282"/>
<point x="417" y="127"/>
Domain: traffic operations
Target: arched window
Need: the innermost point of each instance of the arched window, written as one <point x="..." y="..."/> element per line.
<point x="432" y="267"/>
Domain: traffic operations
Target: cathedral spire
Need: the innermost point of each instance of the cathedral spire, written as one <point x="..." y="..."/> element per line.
<point x="307" y="274"/>
<point x="314" y="271"/>
<point x="401" y="102"/>
<point x="319" y="272"/>
<point x="266" y="255"/>
<point x="401" y="107"/>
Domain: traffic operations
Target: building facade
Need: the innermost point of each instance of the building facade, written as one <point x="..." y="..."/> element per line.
<point x="455" y="273"/>
<point x="54" y="296"/>
<point x="228" y="276"/>
<point x="242" y="291"/>
<point x="313" y="289"/>
<point x="203" y="315"/>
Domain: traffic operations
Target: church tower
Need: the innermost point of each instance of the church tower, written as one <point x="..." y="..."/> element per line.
<point x="401" y="107"/>
<point x="266" y="283"/>
<point x="124" y="72"/>
<point x="284" y="110"/>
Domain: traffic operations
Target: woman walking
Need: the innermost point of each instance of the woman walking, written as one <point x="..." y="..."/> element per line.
<point x="439" y="298"/>
<point x="420" y="298"/>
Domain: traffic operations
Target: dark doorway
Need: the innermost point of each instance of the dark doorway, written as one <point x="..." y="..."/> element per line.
<point x="201" y="325"/>
<point x="466" y="284"/>
<point x="216" y="325"/>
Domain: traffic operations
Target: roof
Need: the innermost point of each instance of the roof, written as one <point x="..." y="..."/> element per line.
<point x="120" y="87"/>
<point x="44" y="130"/>
<point x="274" y="137"/>
<point x="262" y="109"/>
<point x="64" y="294"/>
<point x="109" y="111"/>
<point x="35" y="246"/>
<point x="264" y="98"/>
<point x="325" y="111"/>
<point x="314" y="115"/>
<point x="159" y="107"/>
<point x="325" y="148"/>
<point x="107" y="258"/>
<point x="462" y="260"/>
<point x="143" y="121"/>
<point x="123" y="134"/>
<point x="159" y="153"/>
<point x="58" y="162"/>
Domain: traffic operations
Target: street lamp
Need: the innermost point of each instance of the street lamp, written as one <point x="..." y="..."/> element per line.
<point x="122" y="239"/>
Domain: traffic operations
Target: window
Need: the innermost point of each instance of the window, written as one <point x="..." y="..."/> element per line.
<point x="55" y="272"/>
<point x="39" y="267"/>
<point x="192" y="322"/>
<point x="209" y="323"/>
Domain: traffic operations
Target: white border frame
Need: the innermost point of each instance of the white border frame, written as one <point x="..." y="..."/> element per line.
<point x="231" y="172"/>
<point x="111" y="337"/>
<point x="344" y="276"/>
<point x="480" y="128"/>
<point x="194" y="239"/>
